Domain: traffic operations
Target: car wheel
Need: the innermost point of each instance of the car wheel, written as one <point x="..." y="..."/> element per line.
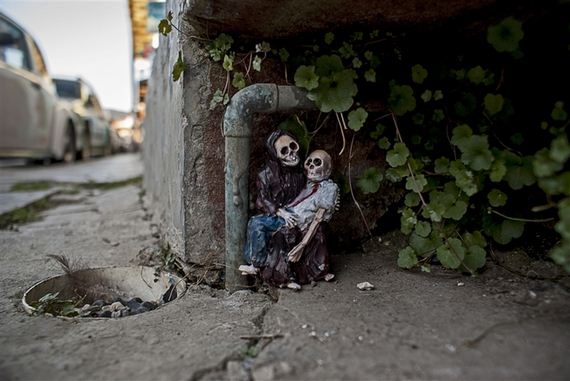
<point x="86" y="151"/>
<point x="69" y="151"/>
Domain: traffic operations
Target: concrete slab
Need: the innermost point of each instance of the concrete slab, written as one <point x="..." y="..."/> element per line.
<point x="101" y="170"/>
<point x="15" y="200"/>
<point x="187" y="338"/>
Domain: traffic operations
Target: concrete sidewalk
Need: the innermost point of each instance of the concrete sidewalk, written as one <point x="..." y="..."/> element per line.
<point x="99" y="170"/>
<point x="439" y="326"/>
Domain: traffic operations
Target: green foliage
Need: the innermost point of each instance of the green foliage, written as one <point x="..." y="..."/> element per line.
<point x="329" y="38"/>
<point x="238" y="81"/>
<point x="401" y="99"/>
<point x="407" y="258"/>
<point x="370" y="180"/>
<point x="398" y="155"/>
<point x="306" y="78"/>
<point x="497" y="198"/>
<point x="494" y="103"/>
<point x="356" y="118"/>
<point x="505" y="36"/>
<point x="178" y="67"/>
<point x="220" y="46"/>
<point x="419" y="74"/>
<point x="558" y="113"/>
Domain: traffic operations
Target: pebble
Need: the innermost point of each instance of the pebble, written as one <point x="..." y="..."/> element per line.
<point x="365" y="286"/>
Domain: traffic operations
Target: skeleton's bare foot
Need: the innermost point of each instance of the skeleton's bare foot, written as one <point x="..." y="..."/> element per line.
<point x="329" y="277"/>
<point x="248" y="270"/>
<point x="294" y="286"/>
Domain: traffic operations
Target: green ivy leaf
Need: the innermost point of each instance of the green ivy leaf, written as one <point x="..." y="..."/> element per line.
<point x="335" y="93"/>
<point x="560" y="149"/>
<point x="507" y="231"/>
<point x="416" y="183"/>
<point x="412" y="199"/>
<point x="497" y="198"/>
<point x="519" y="176"/>
<point x="407" y="258"/>
<point x="498" y="171"/>
<point x="493" y="103"/>
<point x="219" y="97"/>
<point x="263" y="47"/>
<point x="423" y="228"/>
<point x="398" y="155"/>
<point x="563" y="226"/>
<point x="426" y="96"/>
<point x="476" y="153"/>
<point x="238" y="81"/>
<point x="461" y="135"/>
<point x="543" y="164"/>
<point x="437" y="95"/>
<point x="370" y="75"/>
<point x="505" y="36"/>
<point x="456" y="211"/>
<point x="476" y="75"/>
<point x="475" y="258"/>
<point x="257" y="63"/>
<point x="396" y="174"/>
<point x="306" y="78"/>
<point x="474" y="239"/>
<point x="384" y="143"/>
<point x="228" y="64"/>
<point x="424" y="246"/>
<point x="178" y="67"/>
<point x="164" y="27"/>
<point x="356" y="63"/>
<point x="558" y="113"/>
<point x="346" y="51"/>
<point x="408" y="221"/>
<point x="357" y="118"/>
<point x="561" y="255"/>
<point x="451" y="254"/>
<point x="401" y="99"/>
<point x="441" y="165"/>
<point x="370" y="180"/>
<point x="283" y="54"/>
<point x="329" y="38"/>
<point x="218" y="48"/>
<point x="438" y="115"/>
<point x="464" y="178"/>
<point x="419" y="74"/>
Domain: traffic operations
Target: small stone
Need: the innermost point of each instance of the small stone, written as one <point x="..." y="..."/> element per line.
<point x="451" y="348"/>
<point x="365" y="286"/>
<point x="304" y="326"/>
<point x="460" y="284"/>
<point x="149" y="305"/>
<point x="360" y="338"/>
<point x="117" y="306"/>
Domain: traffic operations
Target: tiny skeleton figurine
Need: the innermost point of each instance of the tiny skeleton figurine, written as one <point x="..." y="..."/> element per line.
<point x="294" y="230"/>
<point x="278" y="182"/>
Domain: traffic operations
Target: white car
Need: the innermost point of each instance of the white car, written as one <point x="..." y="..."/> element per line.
<point x="34" y="124"/>
<point x="80" y="97"/>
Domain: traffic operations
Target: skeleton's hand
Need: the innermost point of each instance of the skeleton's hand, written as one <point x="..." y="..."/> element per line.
<point x="295" y="253"/>
<point x="291" y="219"/>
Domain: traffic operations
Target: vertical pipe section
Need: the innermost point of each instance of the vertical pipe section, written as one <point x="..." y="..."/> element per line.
<point x="238" y="120"/>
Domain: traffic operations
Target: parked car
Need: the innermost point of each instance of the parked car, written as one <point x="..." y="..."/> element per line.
<point x="33" y="123"/>
<point x="80" y="97"/>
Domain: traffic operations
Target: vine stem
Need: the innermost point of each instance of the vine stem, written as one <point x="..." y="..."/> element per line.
<point x="519" y="219"/>
<point x="341" y="133"/>
<point x="352" y="190"/>
<point x="399" y="135"/>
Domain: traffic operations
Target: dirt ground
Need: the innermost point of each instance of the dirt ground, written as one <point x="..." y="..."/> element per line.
<point x="510" y="323"/>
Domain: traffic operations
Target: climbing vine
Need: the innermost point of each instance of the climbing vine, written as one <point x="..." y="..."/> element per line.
<point x="458" y="133"/>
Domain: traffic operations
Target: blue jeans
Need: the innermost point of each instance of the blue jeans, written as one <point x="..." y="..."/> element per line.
<point x="259" y="231"/>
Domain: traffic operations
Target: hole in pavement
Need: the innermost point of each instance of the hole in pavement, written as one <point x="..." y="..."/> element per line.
<point x="109" y="292"/>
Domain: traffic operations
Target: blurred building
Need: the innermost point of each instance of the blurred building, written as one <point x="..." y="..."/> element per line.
<point x="145" y="16"/>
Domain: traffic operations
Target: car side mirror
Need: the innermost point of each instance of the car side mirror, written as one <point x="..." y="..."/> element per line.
<point x="6" y="39"/>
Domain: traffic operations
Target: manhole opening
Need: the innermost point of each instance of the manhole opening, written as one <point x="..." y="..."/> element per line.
<point x="111" y="292"/>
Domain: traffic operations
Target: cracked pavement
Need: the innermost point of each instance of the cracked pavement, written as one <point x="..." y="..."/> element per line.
<point x="412" y="325"/>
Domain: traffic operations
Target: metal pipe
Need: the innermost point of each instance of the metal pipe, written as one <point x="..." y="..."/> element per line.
<point x="238" y="120"/>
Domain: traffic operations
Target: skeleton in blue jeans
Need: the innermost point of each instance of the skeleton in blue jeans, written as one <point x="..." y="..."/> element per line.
<point x="315" y="203"/>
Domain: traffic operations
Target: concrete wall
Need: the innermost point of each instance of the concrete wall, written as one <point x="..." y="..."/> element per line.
<point x="163" y="144"/>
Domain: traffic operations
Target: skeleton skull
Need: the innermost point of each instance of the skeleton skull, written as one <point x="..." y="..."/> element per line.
<point x="287" y="150"/>
<point x="318" y="165"/>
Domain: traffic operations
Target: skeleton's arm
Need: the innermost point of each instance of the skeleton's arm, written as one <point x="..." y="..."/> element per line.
<point x="296" y="253"/>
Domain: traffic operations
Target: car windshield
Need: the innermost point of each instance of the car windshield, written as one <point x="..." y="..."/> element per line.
<point x="67" y="89"/>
